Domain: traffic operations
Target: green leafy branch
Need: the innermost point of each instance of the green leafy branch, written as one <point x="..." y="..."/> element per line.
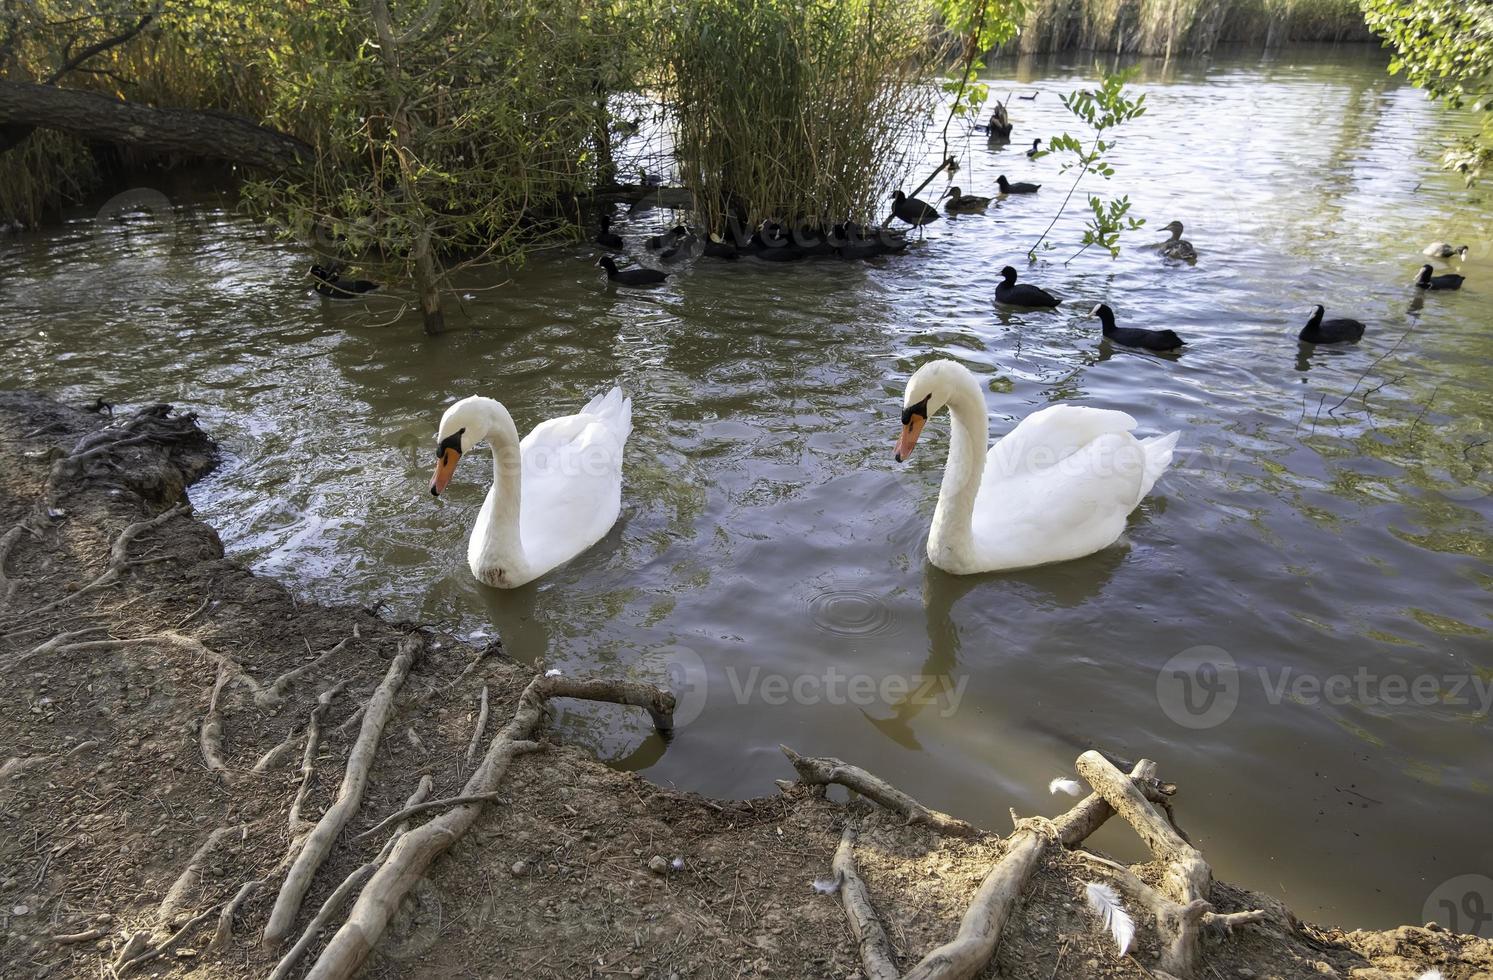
<point x="1102" y="110"/>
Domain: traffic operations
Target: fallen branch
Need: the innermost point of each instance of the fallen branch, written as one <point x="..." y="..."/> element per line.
<point x="870" y="937"/>
<point x="413" y="854"/>
<point x="980" y="930"/>
<point x="86" y="936"/>
<point x="824" y="771"/>
<point x="1180" y="905"/>
<point x="319" y="841"/>
<point x="119" y="558"/>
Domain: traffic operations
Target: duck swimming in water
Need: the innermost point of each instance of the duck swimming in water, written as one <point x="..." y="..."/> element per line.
<point x="961" y="203"/>
<point x="1177" y="247"/>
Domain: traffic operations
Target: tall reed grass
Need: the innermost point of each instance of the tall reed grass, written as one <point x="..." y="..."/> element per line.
<point x="1180" y="27"/>
<point x="802" y="112"/>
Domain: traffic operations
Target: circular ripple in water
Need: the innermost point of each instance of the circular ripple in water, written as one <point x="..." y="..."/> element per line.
<point x="849" y="612"/>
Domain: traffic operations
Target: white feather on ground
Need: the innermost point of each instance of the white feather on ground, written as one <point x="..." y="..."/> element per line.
<point x="826" y="886"/>
<point x="1430" y="975"/>
<point x="1063" y="784"/>
<point x="1106" y="905"/>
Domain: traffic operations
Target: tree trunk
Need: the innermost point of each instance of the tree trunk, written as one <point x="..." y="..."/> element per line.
<point x="209" y="135"/>
<point x="427" y="276"/>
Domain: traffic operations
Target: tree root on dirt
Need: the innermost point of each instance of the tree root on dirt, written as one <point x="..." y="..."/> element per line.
<point x="478" y="728"/>
<point x="343" y="891"/>
<point x="223" y="935"/>
<point x="272" y="758"/>
<point x="318" y="842"/>
<point x="275" y="689"/>
<point x="824" y="771"/>
<point x="1180" y="906"/>
<point x="865" y="925"/>
<point x="210" y="737"/>
<point x="412" y="855"/>
<point x="119" y="558"/>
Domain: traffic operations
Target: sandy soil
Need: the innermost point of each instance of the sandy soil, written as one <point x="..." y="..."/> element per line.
<point x="106" y="794"/>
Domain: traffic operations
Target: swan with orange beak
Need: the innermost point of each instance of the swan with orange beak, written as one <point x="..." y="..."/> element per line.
<point x="553" y="495"/>
<point x="1059" y="486"/>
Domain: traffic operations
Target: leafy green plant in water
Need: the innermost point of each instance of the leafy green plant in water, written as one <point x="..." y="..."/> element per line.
<point x="1102" y="109"/>
<point x="1446" y="48"/>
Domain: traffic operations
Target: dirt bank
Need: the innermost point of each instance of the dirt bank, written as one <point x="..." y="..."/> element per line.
<point x="156" y="701"/>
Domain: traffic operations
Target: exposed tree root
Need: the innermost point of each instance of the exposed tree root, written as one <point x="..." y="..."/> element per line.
<point x="275" y="689"/>
<point x="65" y="645"/>
<point x="7" y="544"/>
<point x="189" y="882"/>
<point x="1181" y="904"/>
<point x="413" y="809"/>
<point x="865" y="925"/>
<point x="824" y="771"/>
<point x="415" y="850"/>
<point x="211" y="734"/>
<point x="342" y="892"/>
<point x="119" y="558"/>
<point x="478" y="729"/>
<point x="223" y="935"/>
<point x="272" y="758"/>
<point x="319" y="841"/>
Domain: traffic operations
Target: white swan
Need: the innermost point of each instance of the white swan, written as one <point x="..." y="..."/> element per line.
<point x="553" y="495"/>
<point x="1058" y="486"/>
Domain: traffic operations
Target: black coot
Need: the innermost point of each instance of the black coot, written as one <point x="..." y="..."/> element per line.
<point x="1319" y="331"/>
<point x="1159" y="340"/>
<point x="630" y="277"/>
<point x="1448" y="281"/>
<point x="1020" y="187"/>
<point x="1008" y="293"/>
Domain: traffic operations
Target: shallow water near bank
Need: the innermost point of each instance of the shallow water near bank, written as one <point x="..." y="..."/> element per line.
<point x="1326" y="516"/>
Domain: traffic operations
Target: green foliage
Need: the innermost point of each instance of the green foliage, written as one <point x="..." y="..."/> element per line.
<point x="1446" y="48"/>
<point x="1101" y="109"/>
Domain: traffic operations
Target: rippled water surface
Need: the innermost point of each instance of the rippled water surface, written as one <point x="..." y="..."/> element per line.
<point x="1326" y="516"/>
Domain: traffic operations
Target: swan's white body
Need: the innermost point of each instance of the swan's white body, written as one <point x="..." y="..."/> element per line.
<point x="554" y="494"/>
<point x="1059" y="486"/>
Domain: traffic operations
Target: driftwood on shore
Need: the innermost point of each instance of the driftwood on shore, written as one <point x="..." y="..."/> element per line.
<point x="1180" y="908"/>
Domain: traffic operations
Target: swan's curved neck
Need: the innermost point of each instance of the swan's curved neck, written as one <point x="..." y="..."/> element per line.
<point x="969" y="440"/>
<point x="496" y="550"/>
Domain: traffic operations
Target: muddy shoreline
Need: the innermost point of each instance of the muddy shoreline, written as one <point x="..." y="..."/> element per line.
<point x="154" y="705"/>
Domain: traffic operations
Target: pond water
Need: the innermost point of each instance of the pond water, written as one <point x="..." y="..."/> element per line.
<point x="1326" y="517"/>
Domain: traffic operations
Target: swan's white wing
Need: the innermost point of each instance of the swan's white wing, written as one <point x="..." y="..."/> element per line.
<point x="1061" y="486"/>
<point x="572" y="480"/>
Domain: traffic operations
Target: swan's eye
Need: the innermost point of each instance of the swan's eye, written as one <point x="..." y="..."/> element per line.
<point x="920" y="410"/>
<point x="452" y="442"/>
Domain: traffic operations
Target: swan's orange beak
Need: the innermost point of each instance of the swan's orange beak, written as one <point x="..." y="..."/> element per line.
<point x="909" y="438"/>
<point x="444" y="467"/>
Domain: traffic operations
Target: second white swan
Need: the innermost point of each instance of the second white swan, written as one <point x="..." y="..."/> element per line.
<point x="553" y="495"/>
<point x="1059" y="486"/>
